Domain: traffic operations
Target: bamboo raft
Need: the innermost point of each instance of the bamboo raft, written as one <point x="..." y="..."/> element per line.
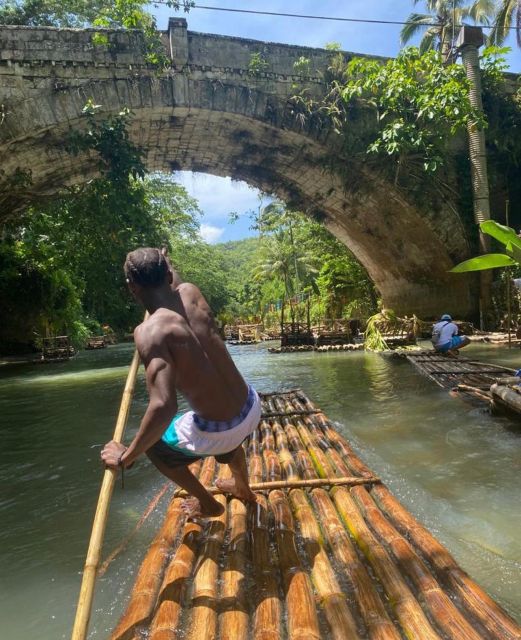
<point x="326" y="552"/>
<point x="459" y="374"/>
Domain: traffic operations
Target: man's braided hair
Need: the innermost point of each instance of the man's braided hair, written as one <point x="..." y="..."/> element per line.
<point x="146" y="267"/>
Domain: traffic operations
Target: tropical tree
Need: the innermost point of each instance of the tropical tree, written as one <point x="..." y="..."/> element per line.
<point x="508" y="12"/>
<point x="441" y="26"/>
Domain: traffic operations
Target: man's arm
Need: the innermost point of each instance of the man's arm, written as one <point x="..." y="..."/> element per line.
<point x="162" y="406"/>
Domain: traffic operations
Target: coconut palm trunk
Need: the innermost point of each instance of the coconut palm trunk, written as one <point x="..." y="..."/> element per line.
<point x="469" y="41"/>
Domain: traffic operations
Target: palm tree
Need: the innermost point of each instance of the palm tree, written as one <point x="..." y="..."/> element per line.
<point x="441" y="25"/>
<point x="503" y="21"/>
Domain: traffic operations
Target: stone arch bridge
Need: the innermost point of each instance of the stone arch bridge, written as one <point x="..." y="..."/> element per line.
<point x="209" y="113"/>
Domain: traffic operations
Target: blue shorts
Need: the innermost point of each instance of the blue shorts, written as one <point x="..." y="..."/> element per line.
<point x="454" y="343"/>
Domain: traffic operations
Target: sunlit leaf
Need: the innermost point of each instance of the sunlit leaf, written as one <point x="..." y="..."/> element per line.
<point x="481" y="263"/>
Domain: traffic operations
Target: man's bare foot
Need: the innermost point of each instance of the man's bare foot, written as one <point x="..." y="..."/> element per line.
<point x="229" y="486"/>
<point x="193" y="509"/>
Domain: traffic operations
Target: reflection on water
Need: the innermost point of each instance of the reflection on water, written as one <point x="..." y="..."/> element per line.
<point x="453" y="465"/>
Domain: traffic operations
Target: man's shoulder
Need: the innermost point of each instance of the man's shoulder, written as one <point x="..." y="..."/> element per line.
<point x="188" y="288"/>
<point x="155" y="327"/>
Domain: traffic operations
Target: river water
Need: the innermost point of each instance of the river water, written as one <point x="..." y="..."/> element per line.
<point x="454" y="466"/>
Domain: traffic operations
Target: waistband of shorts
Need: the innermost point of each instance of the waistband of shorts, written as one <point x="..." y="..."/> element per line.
<point x="215" y="426"/>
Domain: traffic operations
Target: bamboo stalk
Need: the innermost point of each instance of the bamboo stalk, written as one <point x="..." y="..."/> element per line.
<point x="334" y="603"/>
<point x="442" y="609"/>
<point x="271" y="460"/>
<point x="496" y="620"/>
<point x="267" y="603"/>
<point x="363" y="591"/>
<point x="300" y="601"/>
<point x="287" y="462"/>
<point x="234" y="617"/>
<point x="81" y="621"/>
<point x="295" y="484"/>
<point x="408" y="611"/>
<point x="165" y="625"/>
<point x="254" y="457"/>
<point x="168" y="605"/>
<point x="203" y="623"/>
<point x="150" y="575"/>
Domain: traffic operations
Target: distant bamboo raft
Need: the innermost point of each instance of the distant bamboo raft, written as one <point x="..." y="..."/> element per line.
<point x="460" y="373"/>
<point x="338" y="561"/>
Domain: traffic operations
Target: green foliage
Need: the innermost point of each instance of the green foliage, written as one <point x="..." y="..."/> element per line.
<point x="333" y="46"/>
<point x="201" y="263"/>
<point x="53" y="13"/>
<point x="481" y="263"/>
<point x="38" y="296"/>
<point x="257" y="64"/>
<point x="119" y="158"/>
<point x="373" y="338"/>
<point x="71" y="250"/>
<point x="302" y="66"/>
<point x="420" y="103"/>
<point x="293" y="259"/>
<point x="505" y="236"/>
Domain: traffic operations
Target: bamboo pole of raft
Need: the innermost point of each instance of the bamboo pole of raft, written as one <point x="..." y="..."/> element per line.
<point x="205" y="597"/>
<point x="362" y="588"/>
<point x="167" y="608"/>
<point x="148" y="581"/>
<point x="165" y="625"/>
<point x="295" y="483"/>
<point x="267" y="604"/>
<point x="334" y="603"/>
<point x="300" y="600"/>
<point x="81" y="621"/>
<point x="407" y="609"/>
<point x="443" y="611"/>
<point x="234" y="617"/>
<point x="363" y="592"/>
<point x="494" y="618"/>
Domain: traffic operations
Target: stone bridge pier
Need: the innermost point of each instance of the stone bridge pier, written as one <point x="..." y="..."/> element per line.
<point x="213" y="112"/>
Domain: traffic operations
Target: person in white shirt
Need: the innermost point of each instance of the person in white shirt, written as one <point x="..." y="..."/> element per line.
<point x="445" y="336"/>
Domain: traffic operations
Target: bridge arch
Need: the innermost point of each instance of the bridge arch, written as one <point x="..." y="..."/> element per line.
<point x="221" y="120"/>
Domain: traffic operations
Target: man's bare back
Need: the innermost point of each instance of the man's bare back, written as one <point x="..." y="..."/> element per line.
<point x="186" y="337"/>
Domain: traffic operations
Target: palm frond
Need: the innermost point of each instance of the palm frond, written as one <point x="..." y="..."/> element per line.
<point x="430" y="39"/>
<point x="482" y="11"/>
<point x="416" y="22"/>
<point x="503" y="20"/>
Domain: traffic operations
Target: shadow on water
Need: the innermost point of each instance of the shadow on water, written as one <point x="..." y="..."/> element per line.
<point x="452" y="464"/>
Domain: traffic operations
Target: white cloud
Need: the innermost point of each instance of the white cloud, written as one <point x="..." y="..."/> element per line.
<point x="210" y="233"/>
<point x="218" y="197"/>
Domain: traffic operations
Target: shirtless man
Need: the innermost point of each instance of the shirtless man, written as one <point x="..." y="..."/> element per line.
<point x="181" y="350"/>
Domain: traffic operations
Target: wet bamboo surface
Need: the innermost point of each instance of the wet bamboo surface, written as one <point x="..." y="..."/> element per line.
<point x="308" y="560"/>
<point x="458" y="372"/>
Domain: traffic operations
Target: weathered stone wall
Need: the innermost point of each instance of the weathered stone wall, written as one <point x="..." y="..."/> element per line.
<point x="208" y="113"/>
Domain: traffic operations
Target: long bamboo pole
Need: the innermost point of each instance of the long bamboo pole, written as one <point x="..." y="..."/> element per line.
<point x="90" y="570"/>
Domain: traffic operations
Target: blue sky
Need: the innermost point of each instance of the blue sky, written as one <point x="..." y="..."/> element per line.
<point x="219" y="196"/>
